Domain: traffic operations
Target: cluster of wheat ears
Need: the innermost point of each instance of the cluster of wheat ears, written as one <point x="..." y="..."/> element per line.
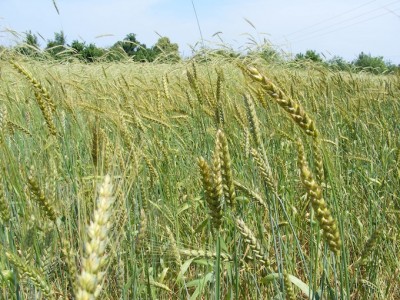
<point x="218" y="179"/>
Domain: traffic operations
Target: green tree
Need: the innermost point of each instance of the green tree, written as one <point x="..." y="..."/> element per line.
<point x="88" y="53"/>
<point x="78" y="46"/>
<point x="267" y="52"/>
<point x="310" y="55"/>
<point x="133" y="48"/>
<point x="166" y="51"/>
<point x="31" y="39"/>
<point x="30" y="45"/>
<point x="130" y="44"/>
<point x="339" y="63"/>
<point x="54" y="47"/>
<point x="92" y="53"/>
<point x="369" y="63"/>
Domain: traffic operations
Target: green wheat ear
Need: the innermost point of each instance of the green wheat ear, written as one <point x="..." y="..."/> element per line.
<point x="45" y="204"/>
<point x="227" y="173"/>
<point x="297" y="113"/>
<point x="211" y="193"/>
<point x="314" y="191"/>
<point x="32" y="273"/>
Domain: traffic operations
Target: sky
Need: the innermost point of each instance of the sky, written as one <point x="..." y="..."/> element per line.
<point x="342" y="27"/>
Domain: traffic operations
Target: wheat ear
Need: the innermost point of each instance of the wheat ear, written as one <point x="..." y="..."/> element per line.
<point x="41" y="199"/>
<point x="37" y="85"/>
<point x="314" y="191"/>
<point x="289" y="105"/>
<point x="174" y="247"/>
<point x="33" y="274"/>
<point x="219" y="111"/>
<point x="265" y="170"/>
<point x="318" y="161"/>
<point x="95" y="259"/>
<point x="227" y="176"/>
<point x="142" y="232"/>
<point x="4" y="209"/>
<point x="193" y="83"/>
<point x="211" y="193"/>
<point x="253" y="120"/>
<point x="370" y="246"/>
<point x="205" y="254"/>
<point x="252" y="242"/>
<point x="43" y="98"/>
<point x="288" y="287"/>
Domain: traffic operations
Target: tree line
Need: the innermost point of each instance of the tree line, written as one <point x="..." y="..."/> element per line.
<point x="166" y="51"/>
<point x="58" y="48"/>
<point x="364" y="62"/>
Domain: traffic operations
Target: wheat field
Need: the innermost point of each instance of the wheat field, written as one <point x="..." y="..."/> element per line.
<point x="217" y="179"/>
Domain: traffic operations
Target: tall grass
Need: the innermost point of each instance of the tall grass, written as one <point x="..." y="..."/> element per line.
<point x="232" y="180"/>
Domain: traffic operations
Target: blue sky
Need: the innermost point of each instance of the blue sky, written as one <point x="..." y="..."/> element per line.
<point x="341" y="27"/>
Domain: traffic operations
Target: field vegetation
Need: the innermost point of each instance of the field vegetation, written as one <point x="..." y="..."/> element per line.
<point x="219" y="178"/>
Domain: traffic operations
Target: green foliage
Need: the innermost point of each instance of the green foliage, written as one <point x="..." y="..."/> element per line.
<point x="340" y="64"/>
<point x="134" y="49"/>
<point x="88" y="53"/>
<point x="270" y="55"/>
<point x="78" y="46"/>
<point x="267" y="52"/>
<point x="130" y="44"/>
<point x="166" y="51"/>
<point x="31" y="39"/>
<point x="30" y="45"/>
<point x="310" y="55"/>
<point x="57" y="45"/>
<point x="367" y="62"/>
